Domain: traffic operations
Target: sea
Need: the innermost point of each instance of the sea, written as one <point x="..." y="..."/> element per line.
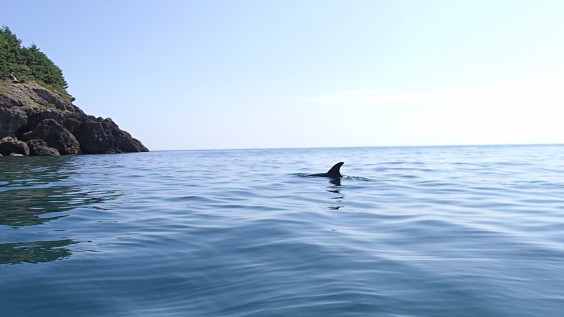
<point x="408" y="231"/>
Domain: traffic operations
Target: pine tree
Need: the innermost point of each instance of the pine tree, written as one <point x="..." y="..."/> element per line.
<point x="27" y="63"/>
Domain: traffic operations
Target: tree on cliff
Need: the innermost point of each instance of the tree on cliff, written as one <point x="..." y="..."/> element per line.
<point x="27" y="63"/>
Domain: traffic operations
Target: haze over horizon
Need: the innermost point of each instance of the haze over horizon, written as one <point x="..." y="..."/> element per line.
<point x="276" y="74"/>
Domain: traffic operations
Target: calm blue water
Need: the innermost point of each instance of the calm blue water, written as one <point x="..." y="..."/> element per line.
<point x="415" y="231"/>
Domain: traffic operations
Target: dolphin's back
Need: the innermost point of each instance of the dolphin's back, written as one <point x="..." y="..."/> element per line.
<point x="334" y="172"/>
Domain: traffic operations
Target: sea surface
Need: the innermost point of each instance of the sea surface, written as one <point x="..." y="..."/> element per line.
<point x="409" y="231"/>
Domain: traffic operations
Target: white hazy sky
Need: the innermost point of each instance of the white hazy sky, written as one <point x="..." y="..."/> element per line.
<point x="263" y="74"/>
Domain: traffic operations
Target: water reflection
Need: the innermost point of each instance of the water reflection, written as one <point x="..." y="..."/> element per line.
<point x="37" y="191"/>
<point x="24" y="207"/>
<point x="338" y="196"/>
<point x="26" y="191"/>
<point x="33" y="170"/>
<point x="34" y="252"/>
<point x="33" y="186"/>
<point x="335" y="181"/>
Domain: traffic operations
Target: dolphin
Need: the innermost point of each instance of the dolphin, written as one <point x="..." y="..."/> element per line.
<point x="334" y="172"/>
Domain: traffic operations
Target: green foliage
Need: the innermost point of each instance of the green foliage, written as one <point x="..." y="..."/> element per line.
<point x="28" y="63"/>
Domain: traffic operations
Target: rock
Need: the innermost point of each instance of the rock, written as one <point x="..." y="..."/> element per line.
<point x="72" y="124"/>
<point x="45" y="97"/>
<point x="9" y="100"/>
<point x="55" y="135"/>
<point x="39" y="147"/>
<point x="126" y="143"/>
<point x="36" y="116"/>
<point x="9" y="146"/>
<point x="123" y="142"/>
<point x="12" y="119"/>
<point x="29" y="111"/>
<point x="31" y="94"/>
<point x="99" y="135"/>
<point x="93" y="139"/>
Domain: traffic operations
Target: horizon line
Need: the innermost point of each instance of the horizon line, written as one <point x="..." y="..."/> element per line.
<point x="358" y="147"/>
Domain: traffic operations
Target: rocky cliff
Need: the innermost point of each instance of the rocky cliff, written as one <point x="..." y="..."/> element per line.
<point x="37" y="121"/>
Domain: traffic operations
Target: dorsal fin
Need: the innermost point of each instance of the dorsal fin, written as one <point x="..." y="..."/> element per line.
<point x="335" y="171"/>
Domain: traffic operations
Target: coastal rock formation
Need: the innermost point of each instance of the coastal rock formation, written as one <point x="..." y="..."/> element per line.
<point x="11" y="146"/>
<point x="40" y="148"/>
<point x="51" y="125"/>
<point x="55" y="135"/>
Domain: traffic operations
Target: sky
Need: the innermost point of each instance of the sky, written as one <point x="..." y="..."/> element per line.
<point x="310" y="73"/>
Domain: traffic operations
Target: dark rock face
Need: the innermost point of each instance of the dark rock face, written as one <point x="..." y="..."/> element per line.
<point x="104" y="136"/>
<point x="11" y="120"/>
<point x="55" y="135"/>
<point x="126" y="143"/>
<point x="39" y="147"/>
<point x="93" y="138"/>
<point x="52" y="125"/>
<point x="72" y="124"/>
<point x="45" y="96"/>
<point x="11" y="146"/>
